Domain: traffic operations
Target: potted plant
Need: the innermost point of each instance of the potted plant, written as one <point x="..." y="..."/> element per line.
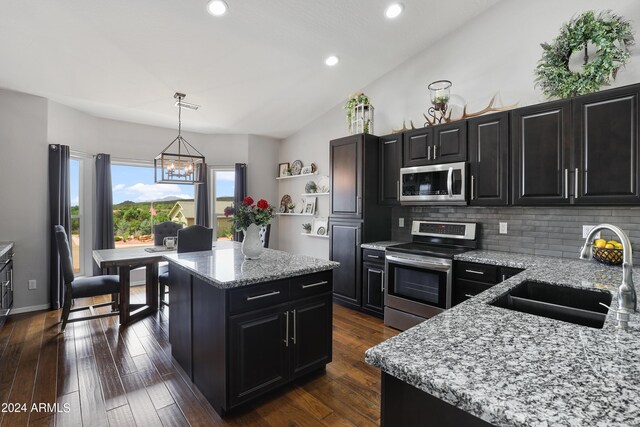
<point x="250" y="218"/>
<point x="306" y="227"/>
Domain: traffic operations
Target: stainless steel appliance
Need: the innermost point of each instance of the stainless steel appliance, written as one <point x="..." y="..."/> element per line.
<point x="418" y="275"/>
<point x="433" y="184"/>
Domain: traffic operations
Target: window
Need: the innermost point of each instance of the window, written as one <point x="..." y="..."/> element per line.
<point x="77" y="223"/>
<point x="139" y="203"/>
<point x="222" y="183"/>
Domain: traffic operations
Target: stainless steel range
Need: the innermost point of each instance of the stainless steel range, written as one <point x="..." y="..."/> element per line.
<point x="418" y="275"/>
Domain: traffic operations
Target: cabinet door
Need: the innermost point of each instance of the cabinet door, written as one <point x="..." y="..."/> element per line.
<point x="464" y="289"/>
<point x="417" y="146"/>
<point x="346" y="177"/>
<point x="540" y="141"/>
<point x="180" y="332"/>
<point x="605" y="138"/>
<point x="258" y="355"/>
<point x="389" y="172"/>
<point x="373" y="286"/>
<point x="489" y="160"/>
<point x="450" y="142"/>
<point x="311" y="334"/>
<point x="345" y="248"/>
<point x="508" y="272"/>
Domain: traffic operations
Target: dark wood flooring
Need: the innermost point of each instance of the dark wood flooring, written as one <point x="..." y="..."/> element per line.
<point x="100" y="375"/>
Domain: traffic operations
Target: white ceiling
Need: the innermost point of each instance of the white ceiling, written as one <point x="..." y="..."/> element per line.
<point x="259" y="69"/>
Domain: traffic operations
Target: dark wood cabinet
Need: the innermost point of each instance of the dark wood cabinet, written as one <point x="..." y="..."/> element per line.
<point x="344" y="248"/>
<point x="450" y="142"/>
<point x="540" y="146"/>
<point x="311" y="334"/>
<point x="346" y="177"/>
<point x="489" y="160"/>
<point x="181" y="320"/>
<point x="605" y="147"/>
<point x="390" y="164"/>
<point x="472" y="278"/>
<point x="6" y="285"/>
<point x="417" y="146"/>
<point x="373" y="286"/>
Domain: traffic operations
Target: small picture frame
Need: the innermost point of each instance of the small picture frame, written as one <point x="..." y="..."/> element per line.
<point x="283" y="169"/>
<point x="306" y="170"/>
<point x="310" y="205"/>
<point x="320" y="227"/>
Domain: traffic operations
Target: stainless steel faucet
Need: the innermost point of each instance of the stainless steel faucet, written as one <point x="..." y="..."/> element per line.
<point x="627" y="299"/>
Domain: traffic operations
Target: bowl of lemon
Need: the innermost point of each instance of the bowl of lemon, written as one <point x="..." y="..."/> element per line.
<point x="608" y="252"/>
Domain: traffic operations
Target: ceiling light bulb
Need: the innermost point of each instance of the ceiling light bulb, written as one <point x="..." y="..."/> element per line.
<point x="217" y="7"/>
<point x="393" y="11"/>
<point x="331" y="60"/>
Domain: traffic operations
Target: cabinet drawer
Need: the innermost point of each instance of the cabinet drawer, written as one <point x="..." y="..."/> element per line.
<point x="258" y="296"/>
<point x="465" y="289"/>
<point x="372" y="255"/>
<point x="477" y="272"/>
<point x="311" y="284"/>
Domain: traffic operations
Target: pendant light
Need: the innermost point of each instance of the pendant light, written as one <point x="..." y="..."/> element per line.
<point x="179" y="162"/>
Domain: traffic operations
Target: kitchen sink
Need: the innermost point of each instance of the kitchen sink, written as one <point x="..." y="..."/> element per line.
<point x="572" y="305"/>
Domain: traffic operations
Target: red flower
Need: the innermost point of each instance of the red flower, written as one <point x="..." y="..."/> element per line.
<point x="248" y="201"/>
<point x="263" y="204"/>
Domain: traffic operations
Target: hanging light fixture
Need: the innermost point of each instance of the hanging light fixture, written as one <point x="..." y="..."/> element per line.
<point x="179" y="162"/>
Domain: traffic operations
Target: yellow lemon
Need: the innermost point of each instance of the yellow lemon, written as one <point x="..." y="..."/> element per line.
<point x="600" y="243"/>
<point x="612" y="242"/>
<point x="618" y="245"/>
<point x="609" y="246"/>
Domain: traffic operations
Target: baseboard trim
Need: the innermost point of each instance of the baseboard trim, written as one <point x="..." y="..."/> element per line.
<point x="29" y="309"/>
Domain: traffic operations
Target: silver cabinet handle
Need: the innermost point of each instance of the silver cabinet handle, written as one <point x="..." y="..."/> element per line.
<point x="504" y="277"/>
<point x="429" y="152"/>
<point x="286" y="330"/>
<point x="373" y="256"/>
<point x="398" y="192"/>
<point x="382" y="285"/>
<point x="268" y="294"/>
<point x="575" y="189"/>
<point x="475" y="272"/>
<point x="469" y="295"/>
<point x="311" y="285"/>
<point x="359" y="207"/>
<point x="434" y="152"/>
<point x="473" y="179"/>
<point x="11" y="278"/>
<point x="450" y="182"/>
<point x="566" y="183"/>
<point x="295" y="333"/>
<point x="7" y="261"/>
<point x="3" y="284"/>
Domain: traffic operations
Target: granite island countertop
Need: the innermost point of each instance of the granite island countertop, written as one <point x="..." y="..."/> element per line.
<point x="515" y="369"/>
<point x="380" y="246"/>
<point x="5" y="247"/>
<point x="225" y="267"/>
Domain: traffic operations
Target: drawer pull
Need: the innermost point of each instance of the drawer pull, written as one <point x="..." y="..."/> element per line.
<point x="469" y="295"/>
<point x="286" y="330"/>
<point x="269" y="294"/>
<point x="475" y="272"/>
<point x="311" y="285"/>
<point x="295" y="333"/>
<point x="374" y="256"/>
<point x="504" y="277"/>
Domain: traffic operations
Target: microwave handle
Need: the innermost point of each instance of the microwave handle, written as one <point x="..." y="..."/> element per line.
<point x="450" y="182"/>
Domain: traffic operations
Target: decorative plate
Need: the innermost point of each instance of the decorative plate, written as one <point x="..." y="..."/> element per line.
<point x="321" y="231"/>
<point x="300" y="206"/>
<point x="311" y="187"/>
<point x="296" y="167"/>
<point x="285" y="201"/>
<point x="314" y="168"/>
<point x="322" y="186"/>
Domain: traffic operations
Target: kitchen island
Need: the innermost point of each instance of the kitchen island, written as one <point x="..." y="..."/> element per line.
<point x="477" y="364"/>
<point x="240" y="328"/>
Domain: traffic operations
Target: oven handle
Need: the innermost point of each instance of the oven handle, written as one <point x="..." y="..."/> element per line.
<point x="443" y="265"/>
<point x="450" y="182"/>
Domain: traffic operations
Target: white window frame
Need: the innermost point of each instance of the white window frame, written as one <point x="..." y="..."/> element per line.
<point x="211" y="176"/>
<point x="85" y="181"/>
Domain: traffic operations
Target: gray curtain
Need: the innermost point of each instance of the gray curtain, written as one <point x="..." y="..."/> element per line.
<point x="240" y="192"/>
<point x="103" y="237"/>
<point x="202" y="197"/>
<point x="59" y="214"/>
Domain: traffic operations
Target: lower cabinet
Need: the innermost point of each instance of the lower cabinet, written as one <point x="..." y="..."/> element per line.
<point x="471" y="278"/>
<point x="344" y="247"/>
<point x="373" y="281"/>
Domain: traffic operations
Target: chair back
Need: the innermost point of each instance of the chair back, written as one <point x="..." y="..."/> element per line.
<point x="165" y="229"/>
<point x="264" y="235"/>
<point x="195" y="238"/>
<point x="64" y="251"/>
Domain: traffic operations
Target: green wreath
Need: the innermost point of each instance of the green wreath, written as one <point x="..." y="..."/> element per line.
<point x="612" y="37"/>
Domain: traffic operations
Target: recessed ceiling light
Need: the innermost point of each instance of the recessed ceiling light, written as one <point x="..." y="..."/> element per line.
<point x="331" y="60"/>
<point x="393" y="11"/>
<point x="217" y="7"/>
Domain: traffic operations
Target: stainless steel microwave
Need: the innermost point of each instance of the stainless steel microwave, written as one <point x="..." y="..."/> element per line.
<point x="434" y="184"/>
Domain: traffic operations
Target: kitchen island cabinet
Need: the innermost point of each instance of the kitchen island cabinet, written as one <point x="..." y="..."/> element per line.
<point x="242" y="328"/>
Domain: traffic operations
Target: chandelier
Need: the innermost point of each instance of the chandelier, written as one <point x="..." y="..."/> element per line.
<point x="179" y="162"/>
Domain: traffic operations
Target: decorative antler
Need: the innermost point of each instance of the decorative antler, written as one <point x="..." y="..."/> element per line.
<point x="404" y="127"/>
<point x="488" y="109"/>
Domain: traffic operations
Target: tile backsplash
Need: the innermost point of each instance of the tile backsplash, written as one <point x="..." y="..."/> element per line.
<point x="547" y="231"/>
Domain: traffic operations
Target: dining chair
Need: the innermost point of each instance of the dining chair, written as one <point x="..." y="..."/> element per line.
<point x="264" y="235"/>
<point x="190" y="239"/>
<point x="84" y="287"/>
<point x="160" y="231"/>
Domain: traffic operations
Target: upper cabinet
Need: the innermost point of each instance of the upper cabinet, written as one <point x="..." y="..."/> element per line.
<point x="489" y="160"/>
<point x="540" y="150"/>
<point x="605" y="147"/>
<point x="390" y="164"/>
<point x="445" y="143"/>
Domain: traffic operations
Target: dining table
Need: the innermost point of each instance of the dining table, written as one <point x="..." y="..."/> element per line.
<point x="125" y="260"/>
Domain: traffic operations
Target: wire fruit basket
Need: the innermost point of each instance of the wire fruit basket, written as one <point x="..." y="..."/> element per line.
<point x="608" y="256"/>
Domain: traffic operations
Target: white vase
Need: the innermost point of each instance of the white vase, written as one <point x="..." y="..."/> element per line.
<point x="251" y="244"/>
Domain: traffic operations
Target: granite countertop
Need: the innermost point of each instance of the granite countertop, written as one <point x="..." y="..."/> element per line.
<point x="380" y="246"/>
<point x="515" y="369"/>
<point x="225" y="266"/>
<point x="5" y="247"/>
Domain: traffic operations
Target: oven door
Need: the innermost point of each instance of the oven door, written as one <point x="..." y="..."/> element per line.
<point x="444" y="184"/>
<point x="418" y="285"/>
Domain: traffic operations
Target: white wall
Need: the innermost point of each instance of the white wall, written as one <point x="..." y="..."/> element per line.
<point x="496" y="52"/>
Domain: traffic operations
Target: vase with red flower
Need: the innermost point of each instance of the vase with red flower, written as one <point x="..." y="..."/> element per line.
<point x="250" y="218"/>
